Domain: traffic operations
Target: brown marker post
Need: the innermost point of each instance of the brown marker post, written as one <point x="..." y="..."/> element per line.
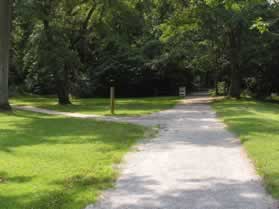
<point x="112" y="100"/>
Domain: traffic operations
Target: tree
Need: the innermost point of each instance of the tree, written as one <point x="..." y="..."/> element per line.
<point x="77" y="47"/>
<point x="5" y="27"/>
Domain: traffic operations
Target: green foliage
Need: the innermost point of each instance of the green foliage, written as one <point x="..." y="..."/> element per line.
<point x="220" y="91"/>
<point x="47" y="62"/>
<point x="260" y="25"/>
<point x="223" y="43"/>
<point x="84" y="45"/>
<point x="143" y="46"/>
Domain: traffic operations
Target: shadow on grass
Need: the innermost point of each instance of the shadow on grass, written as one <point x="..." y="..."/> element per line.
<point x="57" y="130"/>
<point x="272" y="183"/>
<point x="67" y="190"/>
<point x="248" y="117"/>
<point x="70" y="194"/>
<point x="5" y="178"/>
<point x="48" y="200"/>
<point x="246" y="126"/>
<point x="245" y="107"/>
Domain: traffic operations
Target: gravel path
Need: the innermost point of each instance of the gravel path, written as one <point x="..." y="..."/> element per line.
<point x="194" y="163"/>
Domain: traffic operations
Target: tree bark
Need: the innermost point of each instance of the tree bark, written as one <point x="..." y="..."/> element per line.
<point x="235" y="79"/>
<point x="227" y="87"/>
<point x="235" y="48"/>
<point x="63" y="93"/>
<point x="63" y="88"/>
<point x="5" y="30"/>
<point x="62" y="79"/>
<point x="235" y="88"/>
<point x="216" y="87"/>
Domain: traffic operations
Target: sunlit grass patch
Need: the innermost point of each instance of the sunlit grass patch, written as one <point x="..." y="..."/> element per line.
<point x="58" y="163"/>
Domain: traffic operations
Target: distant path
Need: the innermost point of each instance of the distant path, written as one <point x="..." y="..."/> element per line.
<point x="194" y="163"/>
<point x="70" y="114"/>
<point x="54" y="112"/>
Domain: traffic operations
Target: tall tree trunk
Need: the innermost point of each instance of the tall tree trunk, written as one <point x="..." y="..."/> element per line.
<point x="216" y="87"/>
<point x="5" y="30"/>
<point x="62" y="79"/>
<point x="63" y="88"/>
<point x="216" y="75"/>
<point x="235" y="48"/>
<point x="235" y="87"/>
<point x="62" y="93"/>
<point x="227" y="87"/>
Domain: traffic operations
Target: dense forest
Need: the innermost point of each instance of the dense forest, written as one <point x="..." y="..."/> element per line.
<point x="143" y="47"/>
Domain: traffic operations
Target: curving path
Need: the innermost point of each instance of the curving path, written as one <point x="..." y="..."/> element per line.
<point x="194" y="163"/>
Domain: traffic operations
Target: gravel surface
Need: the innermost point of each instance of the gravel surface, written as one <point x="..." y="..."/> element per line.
<point x="194" y="163"/>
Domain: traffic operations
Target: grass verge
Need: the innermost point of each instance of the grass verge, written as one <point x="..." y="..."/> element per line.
<point x="124" y="107"/>
<point x="58" y="163"/>
<point x="257" y="124"/>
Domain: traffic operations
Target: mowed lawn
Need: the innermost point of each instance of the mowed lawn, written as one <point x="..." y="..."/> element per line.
<point x="257" y="124"/>
<point x="124" y="107"/>
<point x="49" y="162"/>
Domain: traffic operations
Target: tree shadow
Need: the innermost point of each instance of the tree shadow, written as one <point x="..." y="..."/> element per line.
<point x="246" y="126"/>
<point x="39" y="129"/>
<point x="68" y="194"/>
<point x="246" y="107"/>
<point x="28" y="130"/>
<point x="272" y="183"/>
<point x="144" y="192"/>
<point x="5" y="178"/>
<point x="206" y="193"/>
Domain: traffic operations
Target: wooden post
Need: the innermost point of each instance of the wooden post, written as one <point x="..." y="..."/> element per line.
<point x="112" y="100"/>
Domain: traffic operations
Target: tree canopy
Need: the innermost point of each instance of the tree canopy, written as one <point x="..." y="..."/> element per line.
<point x="144" y="47"/>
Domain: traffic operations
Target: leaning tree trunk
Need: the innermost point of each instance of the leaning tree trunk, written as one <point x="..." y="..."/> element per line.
<point x="5" y="23"/>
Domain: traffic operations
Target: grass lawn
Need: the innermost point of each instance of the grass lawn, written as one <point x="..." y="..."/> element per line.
<point x="124" y="107"/>
<point x="49" y="162"/>
<point x="257" y="124"/>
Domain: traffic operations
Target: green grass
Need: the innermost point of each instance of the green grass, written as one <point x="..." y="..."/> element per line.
<point x="257" y="124"/>
<point x="51" y="162"/>
<point x="124" y="107"/>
